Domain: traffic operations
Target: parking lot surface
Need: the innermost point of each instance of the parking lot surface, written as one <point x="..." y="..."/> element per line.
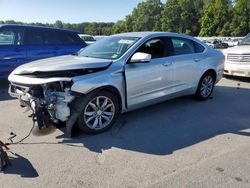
<point x="178" y="143"/>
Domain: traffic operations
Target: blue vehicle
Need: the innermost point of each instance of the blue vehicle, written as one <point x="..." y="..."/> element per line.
<point x="21" y="44"/>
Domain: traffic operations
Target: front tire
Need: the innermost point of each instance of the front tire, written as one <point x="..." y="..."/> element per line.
<point x="99" y="113"/>
<point x="205" y="87"/>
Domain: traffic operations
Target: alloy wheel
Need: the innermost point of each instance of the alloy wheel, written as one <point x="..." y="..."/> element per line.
<point x="99" y="112"/>
<point x="207" y="86"/>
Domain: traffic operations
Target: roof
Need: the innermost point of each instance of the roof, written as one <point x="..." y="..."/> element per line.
<point x="85" y="35"/>
<point x="35" y="26"/>
<point x="149" y="33"/>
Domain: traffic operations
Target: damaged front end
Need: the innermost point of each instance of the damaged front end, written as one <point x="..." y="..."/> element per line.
<point x="45" y="87"/>
<point x="49" y="102"/>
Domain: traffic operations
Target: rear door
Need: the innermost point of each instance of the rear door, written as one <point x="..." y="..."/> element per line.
<point x="147" y="82"/>
<point x="12" y="50"/>
<point x="39" y="45"/>
<point x="186" y="64"/>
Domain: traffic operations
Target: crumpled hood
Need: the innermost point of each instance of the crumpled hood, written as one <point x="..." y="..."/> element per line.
<point x="61" y="63"/>
<point x="244" y="49"/>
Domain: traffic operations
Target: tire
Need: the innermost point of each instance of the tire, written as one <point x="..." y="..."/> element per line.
<point x="2" y="159"/>
<point x="100" y="111"/>
<point x="205" y="87"/>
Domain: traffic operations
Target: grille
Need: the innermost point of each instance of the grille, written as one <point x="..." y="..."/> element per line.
<point x="238" y="57"/>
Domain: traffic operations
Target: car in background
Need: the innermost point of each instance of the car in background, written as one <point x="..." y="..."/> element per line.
<point x="232" y="42"/>
<point x="21" y="44"/>
<point x="209" y="43"/>
<point x="116" y="74"/>
<point x="99" y="37"/>
<point x="238" y="59"/>
<point x="219" y="44"/>
<point x="88" y="39"/>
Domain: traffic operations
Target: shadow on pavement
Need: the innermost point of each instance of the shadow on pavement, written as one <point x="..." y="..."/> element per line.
<point x="238" y="78"/>
<point x="164" y="128"/>
<point x="21" y="166"/>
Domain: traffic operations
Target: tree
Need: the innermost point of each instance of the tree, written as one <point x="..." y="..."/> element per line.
<point x="58" y="24"/>
<point x="240" y="25"/>
<point x="119" y="27"/>
<point x="171" y="16"/>
<point x="191" y="13"/>
<point x="146" y="16"/>
<point x="216" y="18"/>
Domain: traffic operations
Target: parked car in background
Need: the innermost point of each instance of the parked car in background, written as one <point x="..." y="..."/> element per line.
<point x="219" y="44"/>
<point x="238" y="59"/>
<point x="209" y="43"/>
<point x="20" y="44"/>
<point x="99" y="37"/>
<point x="116" y="74"/>
<point x="232" y="42"/>
<point x="88" y="39"/>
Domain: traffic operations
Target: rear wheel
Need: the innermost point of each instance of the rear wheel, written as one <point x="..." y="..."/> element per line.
<point x="205" y="87"/>
<point x="99" y="113"/>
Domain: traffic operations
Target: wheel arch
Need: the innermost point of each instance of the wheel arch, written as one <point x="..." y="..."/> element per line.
<point x="111" y="89"/>
<point x="211" y="70"/>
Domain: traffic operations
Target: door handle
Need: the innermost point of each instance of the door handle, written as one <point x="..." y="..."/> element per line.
<point x="196" y="60"/>
<point x="166" y="64"/>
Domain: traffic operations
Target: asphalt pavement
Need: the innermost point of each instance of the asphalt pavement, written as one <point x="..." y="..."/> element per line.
<point x="178" y="143"/>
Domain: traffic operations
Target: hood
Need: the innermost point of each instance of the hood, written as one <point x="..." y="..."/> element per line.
<point x="244" y="49"/>
<point x="61" y="63"/>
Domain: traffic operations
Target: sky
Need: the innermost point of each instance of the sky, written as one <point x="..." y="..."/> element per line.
<point x="69" y="11"/>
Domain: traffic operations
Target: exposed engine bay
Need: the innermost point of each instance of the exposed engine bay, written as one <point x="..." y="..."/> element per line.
<point x="45" y="87"/>
<point x="49" y="102"/>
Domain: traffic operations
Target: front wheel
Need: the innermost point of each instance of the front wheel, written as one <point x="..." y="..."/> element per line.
<point x="205" y="87"/>
<point x="99" y="113"/>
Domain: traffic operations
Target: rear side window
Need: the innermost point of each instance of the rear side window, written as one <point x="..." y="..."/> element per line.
<point x="35" y="36"/>
<point x="183" y="46"/>
<point x="198" y="47"/>
<point x="11" y="37"/>
<point x="50" y="36"/>
<point x="68" y="38"/>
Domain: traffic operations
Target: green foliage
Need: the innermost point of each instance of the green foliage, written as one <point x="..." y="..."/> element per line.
<point x="241" y="18"/>
<point x="193" y="17"/>
<point x="216" y="19"/>
<point x="145" y="17"/>
<point x="171" y="17"/>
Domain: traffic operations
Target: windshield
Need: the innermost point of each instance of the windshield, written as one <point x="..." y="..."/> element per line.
<point x="246" y="40"/>
<point x="109" y="48"/>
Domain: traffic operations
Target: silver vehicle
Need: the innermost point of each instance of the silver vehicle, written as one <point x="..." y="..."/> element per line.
<point x="88" y="39"/>
<point x="114" y="75"/>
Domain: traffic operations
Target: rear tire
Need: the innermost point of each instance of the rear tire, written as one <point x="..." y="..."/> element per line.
<point x="100" y="111"/>
<point x="205" y="87"/>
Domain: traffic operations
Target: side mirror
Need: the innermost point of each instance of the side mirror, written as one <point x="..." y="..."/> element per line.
<point x="140" y="57"/>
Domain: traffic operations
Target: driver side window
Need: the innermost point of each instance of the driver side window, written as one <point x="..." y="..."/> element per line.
<point x="155" y="47"/>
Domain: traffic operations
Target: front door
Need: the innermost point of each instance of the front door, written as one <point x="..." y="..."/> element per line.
<point x="12" y="50"/>
<point x="147" y="82"/>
